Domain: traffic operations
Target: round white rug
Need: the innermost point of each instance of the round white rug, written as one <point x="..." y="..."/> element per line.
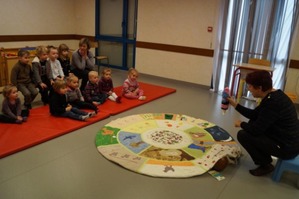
<point x="165" y="145"/>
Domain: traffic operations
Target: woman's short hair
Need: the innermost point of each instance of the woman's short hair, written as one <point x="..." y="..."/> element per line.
<point x="86" y="41"/>
<point x="260" y="78"/>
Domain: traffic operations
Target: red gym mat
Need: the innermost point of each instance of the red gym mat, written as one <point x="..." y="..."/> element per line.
<point x="40" y="127"/>
<point x="151" y="92"/>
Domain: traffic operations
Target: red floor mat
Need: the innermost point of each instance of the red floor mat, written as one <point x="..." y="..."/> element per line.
<point x="151" y="92"/>
<point x="39" y="128"/>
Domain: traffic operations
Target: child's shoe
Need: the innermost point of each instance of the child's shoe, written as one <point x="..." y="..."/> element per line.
<point x="28" y="106"/>
<point x="91" y="114"/>
<point x="25" y="119"/>
<point x="142" y="98"/>
<point x="84" y="117"/>
<point x="19" y="121"/>
<point x="118" y="100"/>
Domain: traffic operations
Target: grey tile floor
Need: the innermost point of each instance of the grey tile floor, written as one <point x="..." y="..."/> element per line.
<point x="70" y="167"/>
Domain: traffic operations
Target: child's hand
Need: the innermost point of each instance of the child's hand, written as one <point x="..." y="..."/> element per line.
<point x="95" y="103"/>
<point x="19" y="118"/>
<point x="68" y="108"/>
<point x="42" y="85"/>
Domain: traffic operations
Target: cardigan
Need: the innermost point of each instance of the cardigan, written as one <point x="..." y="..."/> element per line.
<point x="276" y="117"/>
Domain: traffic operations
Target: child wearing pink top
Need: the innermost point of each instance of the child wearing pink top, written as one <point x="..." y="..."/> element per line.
<point x="131" y="88"/>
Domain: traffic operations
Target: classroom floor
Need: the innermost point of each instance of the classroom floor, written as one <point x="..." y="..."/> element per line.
<point x="70" y="167"/>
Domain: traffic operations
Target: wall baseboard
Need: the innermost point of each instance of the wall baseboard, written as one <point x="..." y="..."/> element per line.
<point x="14" y="38"/>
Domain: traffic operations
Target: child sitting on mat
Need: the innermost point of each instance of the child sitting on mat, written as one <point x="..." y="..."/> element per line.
<point x="11" y="106"/>
<point x="106" y="85"/>
<point x="60" y="107"/>
<point x="74" y="95"/>
<point x="92" y="92"/>
<point x="131" y="88"/>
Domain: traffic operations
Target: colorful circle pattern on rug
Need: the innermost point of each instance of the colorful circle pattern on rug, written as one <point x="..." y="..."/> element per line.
<point x="165" y="145"/>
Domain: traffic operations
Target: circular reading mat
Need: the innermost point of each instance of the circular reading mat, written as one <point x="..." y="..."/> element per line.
<point x="165" y="145"/>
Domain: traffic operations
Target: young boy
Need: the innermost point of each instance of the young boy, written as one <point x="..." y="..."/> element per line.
<point x="21" y="77"/>
<point x="56" y="72"/>
<point x="106" y="84"/>
<point x="93" y="92"/>
<point x="60" y="107"/>
<point x="40" y="73"/>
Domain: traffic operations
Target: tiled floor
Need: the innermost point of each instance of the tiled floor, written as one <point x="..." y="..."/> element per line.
<point x="70" y="167"/>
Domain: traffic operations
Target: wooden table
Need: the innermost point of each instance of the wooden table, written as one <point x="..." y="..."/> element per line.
<point x="241" y="70"/>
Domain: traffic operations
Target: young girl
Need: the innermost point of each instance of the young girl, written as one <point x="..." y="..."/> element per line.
<point x="64" y="59"/>
<point x="40" y="73"/>
<point x="131" y="88"/>
<point x="60" y="107"/>
<point x="11" y="107"/>
<point x="74" y="95"/>
<point x="92" y="91"/>
<point x="106" y="85"/>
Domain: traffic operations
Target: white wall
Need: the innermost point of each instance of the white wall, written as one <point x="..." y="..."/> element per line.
<point x="42" y="17"/>
<point x="176" y="22"/>
<point x="84" y="22"/>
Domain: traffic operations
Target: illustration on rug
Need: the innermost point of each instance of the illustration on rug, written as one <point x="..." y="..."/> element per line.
<point x="165" y="145"/>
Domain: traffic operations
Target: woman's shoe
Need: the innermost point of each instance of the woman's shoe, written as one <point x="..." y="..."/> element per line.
<point x="262" y="170"/>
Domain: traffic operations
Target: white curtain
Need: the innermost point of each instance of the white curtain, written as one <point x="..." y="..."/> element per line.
<point x="254" y="29"/>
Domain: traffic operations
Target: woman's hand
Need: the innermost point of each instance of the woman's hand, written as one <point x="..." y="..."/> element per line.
<point x="238" y="123"/>
<point x="232" y="101"/>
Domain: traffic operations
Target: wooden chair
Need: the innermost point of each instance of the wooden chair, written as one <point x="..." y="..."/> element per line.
<point x="262" y="62"/>
<point x="100" y="57"/>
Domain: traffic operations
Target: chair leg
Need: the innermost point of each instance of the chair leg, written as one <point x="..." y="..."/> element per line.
<point x="278" y="171"/>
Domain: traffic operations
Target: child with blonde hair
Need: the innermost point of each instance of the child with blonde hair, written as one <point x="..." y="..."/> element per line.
<point x="64" y="59"/>
<point x="131" y="88"/>
<point x="93" y="92"/>
<point x="56" y="72"/>
<point x="11" y="106"/>
<point x="59" y="106"/>
<point x="106" y="85"/>
<point x="74" y="95"/>
<point x="40" y="73"/>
